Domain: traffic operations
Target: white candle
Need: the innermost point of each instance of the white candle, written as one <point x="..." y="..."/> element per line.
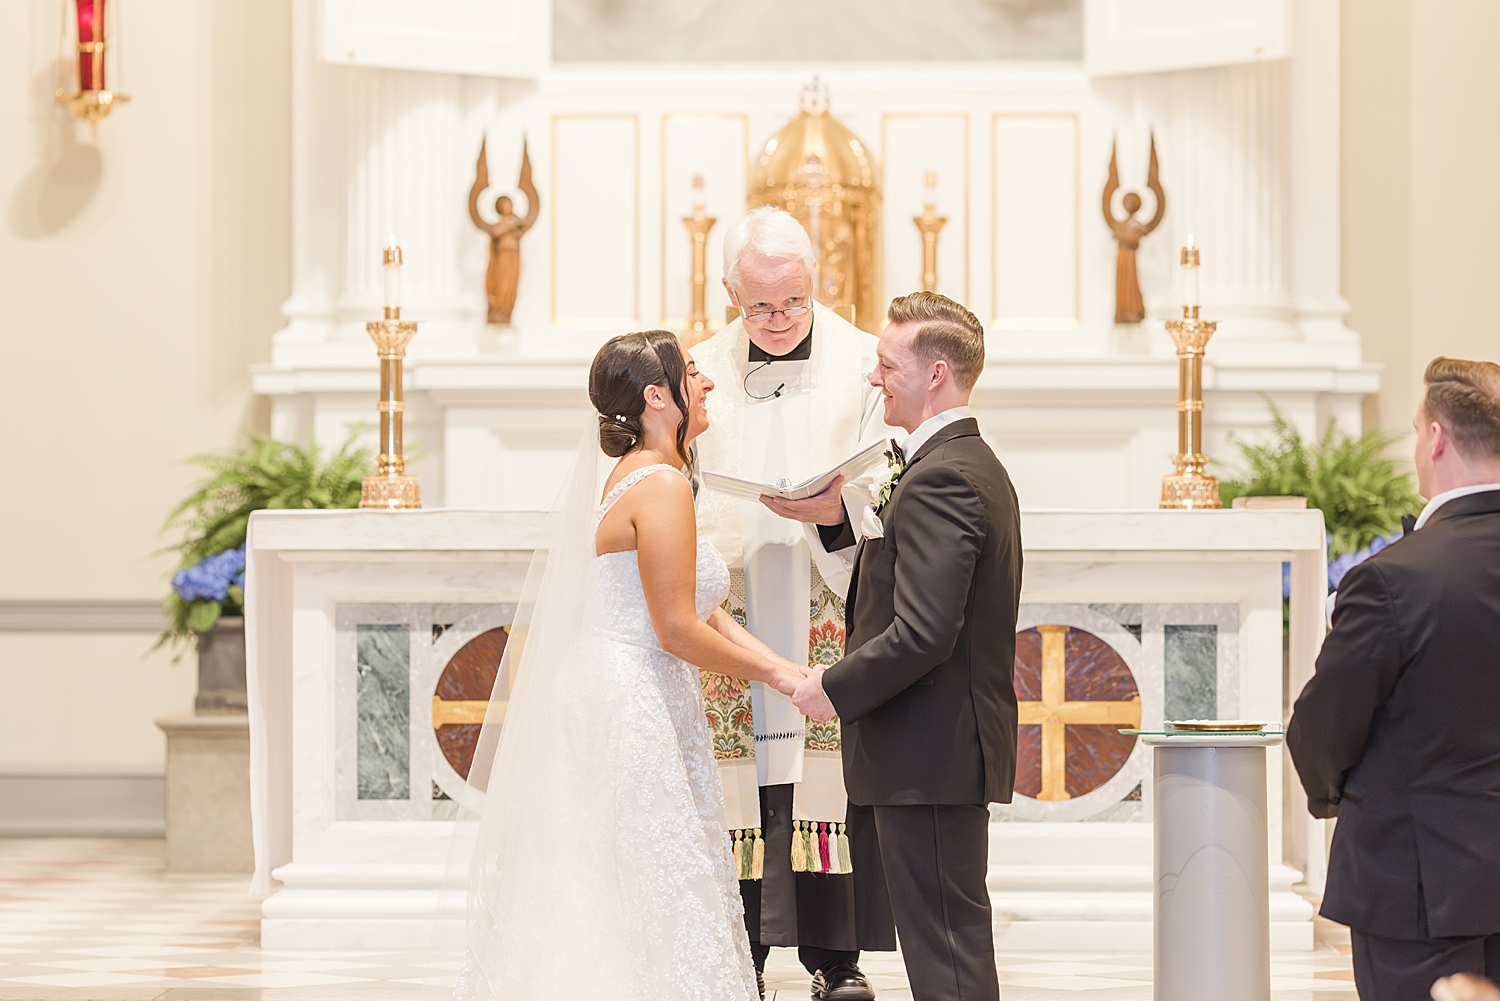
<point x="1190" y="279"/>
<point x="392" y="260"/>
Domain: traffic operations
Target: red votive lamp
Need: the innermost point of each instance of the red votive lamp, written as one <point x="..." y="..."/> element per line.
<point x="90" y="44"/>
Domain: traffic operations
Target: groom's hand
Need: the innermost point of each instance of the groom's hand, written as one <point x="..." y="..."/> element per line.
<point x="810" y="700"/>
<point x="826" y="508"/>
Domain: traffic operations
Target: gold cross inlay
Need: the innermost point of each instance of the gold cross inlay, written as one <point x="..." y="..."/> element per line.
<point x="458" y="711"/>
<point x="1054" y="713"/>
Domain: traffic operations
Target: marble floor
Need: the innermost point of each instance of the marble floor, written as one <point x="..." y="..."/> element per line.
<point x="97" y="920"/>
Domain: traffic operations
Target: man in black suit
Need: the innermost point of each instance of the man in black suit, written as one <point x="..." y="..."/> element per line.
<point x="925" y="691"/>
<point x="1398" y="732"/>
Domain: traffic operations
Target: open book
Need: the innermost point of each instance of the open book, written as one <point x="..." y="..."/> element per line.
<point x="854" y="466"/>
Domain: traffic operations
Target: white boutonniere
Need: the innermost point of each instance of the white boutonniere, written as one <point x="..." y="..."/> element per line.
<point x="880" y="489"/>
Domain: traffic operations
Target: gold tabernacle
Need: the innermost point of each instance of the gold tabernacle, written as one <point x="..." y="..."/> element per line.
<point x="1190" y="487"/>
<point x="822" y="174"/>
<point x="390" y="488"/>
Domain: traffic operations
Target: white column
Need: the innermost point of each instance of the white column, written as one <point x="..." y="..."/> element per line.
<point x="317" y="191"/>
<point x="1225" y="171"/>
<point x="408" y="170"/>
<point x="1316" y="284"/>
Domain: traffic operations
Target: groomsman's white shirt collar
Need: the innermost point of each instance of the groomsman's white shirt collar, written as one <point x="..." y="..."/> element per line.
<point x="930" y="427"/>
<point x="1436" y="502"/>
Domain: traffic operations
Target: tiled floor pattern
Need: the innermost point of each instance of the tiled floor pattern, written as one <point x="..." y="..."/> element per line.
<point x="97" y="920"/>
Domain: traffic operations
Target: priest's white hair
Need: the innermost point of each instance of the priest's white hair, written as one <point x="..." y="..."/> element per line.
<point x="769" y="232"/>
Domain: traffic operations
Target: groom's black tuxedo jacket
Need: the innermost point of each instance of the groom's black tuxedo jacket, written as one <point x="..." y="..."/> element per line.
<point x="925" y="691"/>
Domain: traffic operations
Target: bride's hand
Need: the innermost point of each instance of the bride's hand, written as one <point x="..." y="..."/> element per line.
<point x="787" y="676"/>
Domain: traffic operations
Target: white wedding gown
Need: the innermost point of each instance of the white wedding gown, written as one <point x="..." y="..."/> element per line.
<point x="621" y="882"/>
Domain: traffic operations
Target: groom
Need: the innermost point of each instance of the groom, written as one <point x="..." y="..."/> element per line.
<point x="925" y="687"/>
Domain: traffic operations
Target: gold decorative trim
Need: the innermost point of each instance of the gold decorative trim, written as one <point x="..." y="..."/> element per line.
<point x="635" y="250"/>
<point x="1040" y="322"/>
<point x="968" y="167"/>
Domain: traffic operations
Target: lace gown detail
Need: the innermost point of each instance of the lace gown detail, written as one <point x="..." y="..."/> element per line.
<point x="627" y="884"/>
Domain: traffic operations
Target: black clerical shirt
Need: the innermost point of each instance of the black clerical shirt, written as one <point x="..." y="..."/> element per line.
<point x="802" y="352"/>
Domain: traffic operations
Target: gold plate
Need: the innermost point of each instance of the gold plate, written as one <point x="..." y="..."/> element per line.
<point x="1216" y="725"/>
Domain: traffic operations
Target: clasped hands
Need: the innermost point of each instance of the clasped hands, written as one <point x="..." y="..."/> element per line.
<point x="825" y="508"/>
<point x="804" y="686"/>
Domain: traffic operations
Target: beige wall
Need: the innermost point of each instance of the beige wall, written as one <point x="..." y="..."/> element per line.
<point x="1421" y="203"/>
<point x="142" y="264"/>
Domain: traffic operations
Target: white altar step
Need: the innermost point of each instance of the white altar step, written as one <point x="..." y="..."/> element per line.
<point x="1053" y="887"/>
<point x="1108" y="908"/>
<point x="354" y="905"/>
<point x="1086" y="886"/>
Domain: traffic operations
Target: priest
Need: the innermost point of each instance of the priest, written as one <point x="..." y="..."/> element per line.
<point x="794" y="400"/>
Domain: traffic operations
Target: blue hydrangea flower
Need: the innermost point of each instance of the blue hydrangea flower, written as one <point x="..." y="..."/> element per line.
<point x="211" y="577"/>
<point x="1340" y="565"/>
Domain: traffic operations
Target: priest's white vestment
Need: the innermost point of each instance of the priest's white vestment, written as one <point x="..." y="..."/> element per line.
<point x="771" y="420"/>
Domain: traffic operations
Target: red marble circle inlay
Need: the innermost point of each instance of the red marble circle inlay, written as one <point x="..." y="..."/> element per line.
<point x="469" y="676"/>
<point x="1093" y="671"/>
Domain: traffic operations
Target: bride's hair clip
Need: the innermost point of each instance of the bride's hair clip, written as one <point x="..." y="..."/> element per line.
<point x="617" y="435"/>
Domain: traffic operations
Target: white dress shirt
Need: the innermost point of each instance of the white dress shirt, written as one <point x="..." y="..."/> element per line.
<point x="1448" y="495"/>
<point x="930" y="427"/>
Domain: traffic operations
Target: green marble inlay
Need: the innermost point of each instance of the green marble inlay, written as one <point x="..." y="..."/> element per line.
<point x="383" y="686"/>
<point x="1192" y="671"/>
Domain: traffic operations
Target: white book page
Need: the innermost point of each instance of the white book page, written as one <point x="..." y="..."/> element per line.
<point x="751" y="490"/>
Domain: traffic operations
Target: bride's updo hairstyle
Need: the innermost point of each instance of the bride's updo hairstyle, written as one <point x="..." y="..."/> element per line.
<point x="622" y="370"/>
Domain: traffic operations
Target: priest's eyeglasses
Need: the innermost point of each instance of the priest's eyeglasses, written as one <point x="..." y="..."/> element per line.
<point x="789" y="312"/>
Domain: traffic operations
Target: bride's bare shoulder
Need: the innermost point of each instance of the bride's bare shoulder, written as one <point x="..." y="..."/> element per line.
<point x="664" y="485"/>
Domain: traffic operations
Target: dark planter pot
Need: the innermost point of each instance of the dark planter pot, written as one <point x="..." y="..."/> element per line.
<point x="221" y="668"/>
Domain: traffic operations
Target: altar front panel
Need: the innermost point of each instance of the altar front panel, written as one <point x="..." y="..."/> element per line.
<point x="371" y="634"/>
<point x="370" y="780"/>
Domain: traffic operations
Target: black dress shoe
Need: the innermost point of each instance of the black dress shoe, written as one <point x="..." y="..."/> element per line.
<point x="841" y="982"/>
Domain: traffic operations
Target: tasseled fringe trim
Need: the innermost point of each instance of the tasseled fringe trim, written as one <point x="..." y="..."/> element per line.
<point x="749" y="853"/>
<point x="820" y="847"/>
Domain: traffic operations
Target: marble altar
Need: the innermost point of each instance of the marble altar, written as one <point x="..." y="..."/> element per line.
<point x="367" y="636"/>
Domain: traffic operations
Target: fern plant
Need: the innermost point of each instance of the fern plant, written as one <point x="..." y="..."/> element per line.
<point x="215" y="518"/>
<point x="1351" y="480"/>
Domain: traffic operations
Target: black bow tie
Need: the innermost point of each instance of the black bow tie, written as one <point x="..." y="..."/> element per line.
<point x="1408" y="524"/>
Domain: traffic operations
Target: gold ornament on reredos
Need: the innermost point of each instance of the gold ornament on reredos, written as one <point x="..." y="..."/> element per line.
<point x="820" y="172"/>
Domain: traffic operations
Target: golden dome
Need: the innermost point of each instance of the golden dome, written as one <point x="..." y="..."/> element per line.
<point x="818" y="171"/>
<point x="814" y="148"/>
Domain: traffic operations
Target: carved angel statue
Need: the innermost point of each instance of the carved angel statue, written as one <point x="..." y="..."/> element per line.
<point x="1129" y="308"/>
<point x="504" y="272"/>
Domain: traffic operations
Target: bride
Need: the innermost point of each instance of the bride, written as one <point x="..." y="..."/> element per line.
<point x="602" y="861"/>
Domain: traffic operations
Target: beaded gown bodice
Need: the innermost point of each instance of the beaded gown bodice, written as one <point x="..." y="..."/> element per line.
<point x="616" y="603"/>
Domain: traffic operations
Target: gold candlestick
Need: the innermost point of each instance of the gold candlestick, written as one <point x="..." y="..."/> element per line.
<point x="390" y="488"/>
<point x="930" y="224"/>
<point x="1190" y="487"/>
<point x="698" y="224"/>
